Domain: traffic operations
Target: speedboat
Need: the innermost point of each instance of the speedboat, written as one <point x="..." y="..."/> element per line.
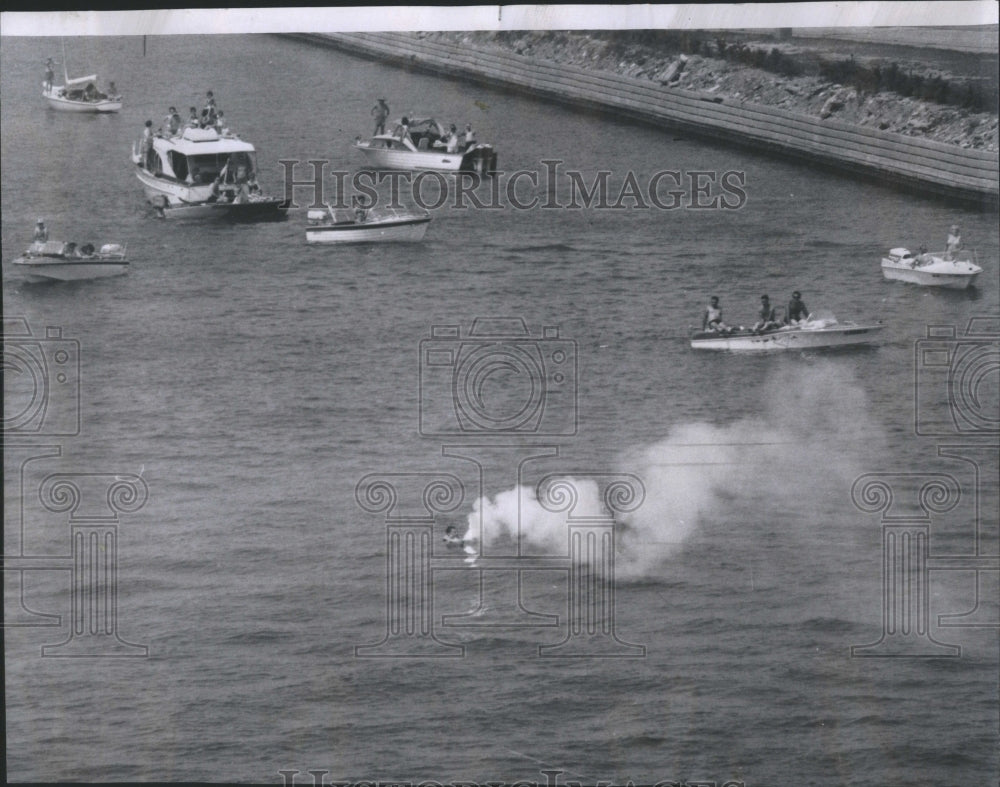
<point x="371" y="226"/>
<point x="425" y="149"/>
<point x="201" y="173"/>
<point x="80" y="95"/>
<point x="954" y="270"/>
<point x="805" y="336"/>
<point x="57" y="261"/>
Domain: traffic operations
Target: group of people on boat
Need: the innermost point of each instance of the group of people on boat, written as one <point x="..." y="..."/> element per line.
<point x="88" y="93"/>
<point x="448" y="139"/>
<point x="210" y="117"/>
<point x="767" y="316"/>
<point x="41" y="237"/>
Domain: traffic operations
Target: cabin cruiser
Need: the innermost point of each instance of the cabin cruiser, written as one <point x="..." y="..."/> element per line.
<point x="202" y="173"/>
<point x="425" y="146"/>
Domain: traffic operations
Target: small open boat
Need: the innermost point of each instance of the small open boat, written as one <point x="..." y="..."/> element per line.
<point x="57" y="261"/>
<point x="806" y="336"/>
<point x="376" y="225"/>
<point x="953" y="270"/>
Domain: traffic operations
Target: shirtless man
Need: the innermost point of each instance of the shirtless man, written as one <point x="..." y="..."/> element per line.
<point x="797" y="310"/>
<point x="711" y="320"/>
<point x="766" y="317"/>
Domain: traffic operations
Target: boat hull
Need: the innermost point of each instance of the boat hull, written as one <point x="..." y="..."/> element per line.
<point x="402" y="230"/>
<point x="62" y="104"/>
<point x="234" y="212"/>
<point x="66" y="270"/>
<point x="935" y="275"/>
<point x="175" y="200"/>
<point x="843" y="335"/>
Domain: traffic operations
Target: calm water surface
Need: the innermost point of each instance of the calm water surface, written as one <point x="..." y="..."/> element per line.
<point x="253" y="381"/>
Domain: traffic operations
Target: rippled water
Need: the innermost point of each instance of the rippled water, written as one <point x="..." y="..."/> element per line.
<point x="254" y="381"/>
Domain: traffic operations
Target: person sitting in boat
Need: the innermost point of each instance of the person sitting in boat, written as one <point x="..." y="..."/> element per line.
<point x="69" y="250"/>
<point x="90" y="92"/>
<point x="41" y="232"/>
<point x="711" y="320"/>
<point x="954" y="242"/>
<point x="50" y="74"/>
<point x="402" y="133"/>
<point x="193" y="120"/>
<point x="450" y="143"/>
<point x="767" y="318"/>
<point x="87" y="250"/>
<point x="452" y="538"/>
<point x="797" y="311"/>
<point x="360" y="209"/>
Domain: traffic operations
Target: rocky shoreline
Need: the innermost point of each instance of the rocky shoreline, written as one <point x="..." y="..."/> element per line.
<point x="807" y="93"/>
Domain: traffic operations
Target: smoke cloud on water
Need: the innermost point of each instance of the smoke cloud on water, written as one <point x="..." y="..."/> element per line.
<point x="812" y="441"/>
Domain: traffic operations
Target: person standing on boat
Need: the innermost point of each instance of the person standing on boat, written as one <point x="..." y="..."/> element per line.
<point x="954" y="242"/>
<point x="112" y="91"/>
<point x="381" y="113"/>
<point x="711" y="320"/>
<point x="50" y="74"/>
<point x="797" y="311"/>
<point x="173" y="121"/>
<point x="193" y="121"/>
<point x="147" y="145"/>
<point x="470" y="136"/>
<point x="766" y="317"/>
<point x="210" y="112"/>
<point x="41" y="232"/>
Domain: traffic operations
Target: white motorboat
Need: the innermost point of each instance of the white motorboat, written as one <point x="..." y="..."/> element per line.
<point x="202" y="174"/>
<point x="375" y="225"/>
<point x="424" y="148"/>
<point x="806" y="336"/>
<point x="57" y="261"/>
<point x="953" y="270"/>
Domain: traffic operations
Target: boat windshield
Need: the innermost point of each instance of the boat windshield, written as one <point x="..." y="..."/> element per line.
<point x="206" y="168"/>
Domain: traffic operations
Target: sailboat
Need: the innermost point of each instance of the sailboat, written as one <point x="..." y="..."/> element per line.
<point x="80" y="94"/>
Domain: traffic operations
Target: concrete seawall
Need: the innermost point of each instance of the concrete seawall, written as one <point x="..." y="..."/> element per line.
<point x="922" y="166"/>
